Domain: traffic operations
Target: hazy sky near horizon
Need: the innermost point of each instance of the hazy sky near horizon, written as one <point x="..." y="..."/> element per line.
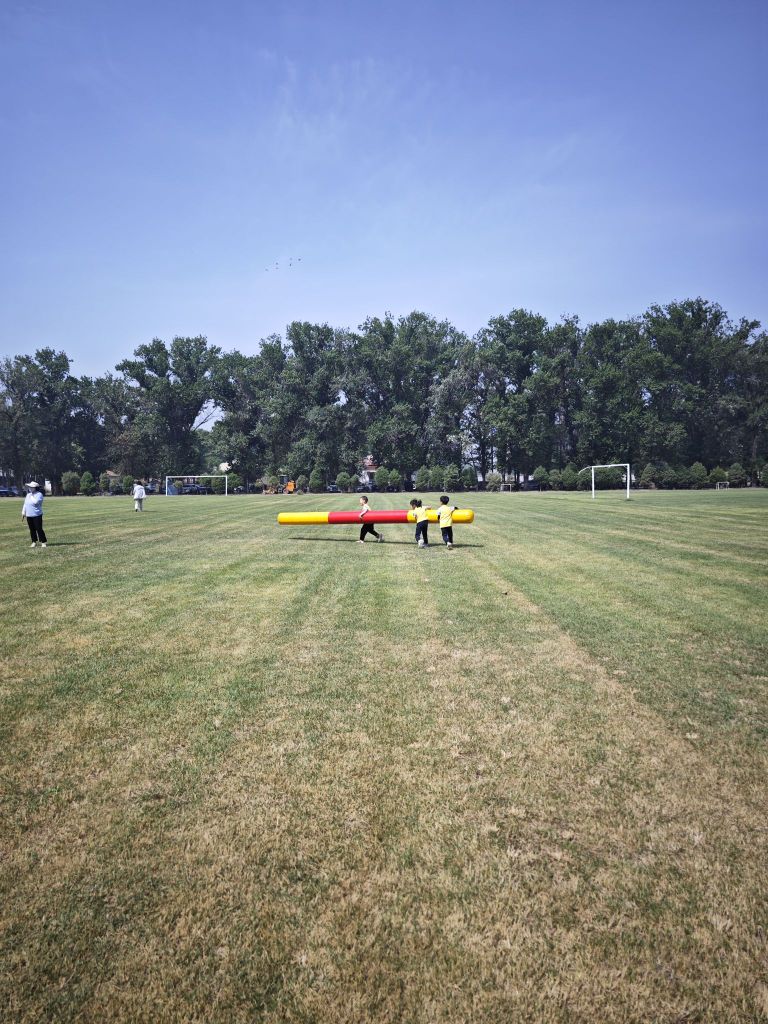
<point x="462" y="159"/>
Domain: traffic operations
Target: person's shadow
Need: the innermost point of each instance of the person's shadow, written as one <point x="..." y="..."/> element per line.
<point x="353" y="540"/>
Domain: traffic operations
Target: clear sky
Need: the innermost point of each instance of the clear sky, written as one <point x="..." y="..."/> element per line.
<point x="159" y="158"/>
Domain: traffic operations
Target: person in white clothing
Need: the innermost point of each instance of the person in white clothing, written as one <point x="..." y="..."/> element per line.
<point x="33" y="513"/>
<point x="139" y="494"/>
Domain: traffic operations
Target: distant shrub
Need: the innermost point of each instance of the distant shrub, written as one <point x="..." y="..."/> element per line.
<point x="104" y="483"/>
<point x="70" y="483"/>
<point x="468" y="478"/>
<point x="421" y="483"/>
<point x="396" y="480"/>
<point x="273" y="482"/>
<point x="218" y="485"/>
<point x="353" y="481"/>
<point x="87" y="484"/>
<point x="342" y="481"/>
<point x="451" y="478"/>
<point x="127" y="484"/>
<point x="667" y="477"/>
<point x="436" y="478"/>
<point x="584" y="481"/>
<point x="648" y="476"/>
<point x="737" y="476"/>
<point x="381" y="476"/>
<point x="698" y="475"/>
<point x="555" y="480"/>
<point x="235" y="481"/>
<point x="301" y="482"/>
<point x="316" y="482"/>
<point x="685" y="477"/>
<point x="541" y="477"/>
<point x="493" y="481"/>
<point x="569" y="477"/>
<point x="718" y="476"/>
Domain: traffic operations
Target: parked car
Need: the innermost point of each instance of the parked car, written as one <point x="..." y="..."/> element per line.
<point x="6" y="492"/>
<point x="194" y="489"/>
<point x="332" y="489"/>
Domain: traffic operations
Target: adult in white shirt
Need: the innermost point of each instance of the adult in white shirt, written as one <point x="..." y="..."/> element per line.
<point x="139" y="494"/>
<point x="33" y="513"/>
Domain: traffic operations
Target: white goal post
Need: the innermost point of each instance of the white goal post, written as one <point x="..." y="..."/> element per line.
<point x="608" y="465"/>
<point x="200" y="476"/>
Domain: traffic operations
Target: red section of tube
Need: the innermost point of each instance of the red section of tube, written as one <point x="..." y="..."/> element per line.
<point x="382" y="516"/>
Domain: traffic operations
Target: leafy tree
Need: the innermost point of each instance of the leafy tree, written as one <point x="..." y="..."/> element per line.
<point x="353" y="482"/>
<point x="685" y="479"/>
<point x="219" y="485"/>
<point x="302" y="483"/>
<point x="555" y="480"/>
<point x="541" y="477"/>
<point x="718" y="476"/>
<point x="570" y="477"/>
<point x="382" y="478"/>
<point x="316" y="481"/>
<point x="70" y="483"/>
<point x="395" y="480"/>
<point x="436" y="478"/>
<point x="698" y="475"/>
<point x="235" y="482"/>
<point x="493" y="481"/>
<point x="468" y="478"/>
<point x="104" y="483"/>
<point x="667" y="477"/>
<point x="127" y="484"/>
<point x="342" y="481"/>
<point x="87" y="484"/>
<point x="736" y="475"/>
<point x="175" y="387"/>
<point x="422" y="480"/>
<point x="648" y="476"/>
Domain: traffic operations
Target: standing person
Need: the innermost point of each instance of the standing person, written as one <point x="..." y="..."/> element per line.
<point x="139" y="494"/>
<point x="33" y="513"/>
<point x="367" y="527"/>
<point x="445" y="515"/>
<point x="422" y="522"/>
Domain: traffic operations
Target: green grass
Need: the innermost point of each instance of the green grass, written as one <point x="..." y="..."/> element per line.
<point x="252" y="773"/>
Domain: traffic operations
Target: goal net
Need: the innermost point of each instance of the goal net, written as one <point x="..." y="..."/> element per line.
<point x="176" y="484"/>
<point x="610" y="465"/>
<point x="722" y="485"/>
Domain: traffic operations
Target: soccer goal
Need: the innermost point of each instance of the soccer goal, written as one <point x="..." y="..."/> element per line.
<point x="722" y="485"/>
<point x="171" y="488"/>
<point x="609" y="465"/>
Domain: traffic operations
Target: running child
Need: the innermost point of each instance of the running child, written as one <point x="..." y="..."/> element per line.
<point x="422" y="522"/>
<point x="445" y="515"/>
<point x="367" y="527"/>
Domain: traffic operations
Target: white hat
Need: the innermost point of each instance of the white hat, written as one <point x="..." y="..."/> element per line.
<point x="32" y="483"/>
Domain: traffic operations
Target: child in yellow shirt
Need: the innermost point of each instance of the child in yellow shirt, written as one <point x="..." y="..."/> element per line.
<point x="422" y="522"/>
<point x="445" y="516"/>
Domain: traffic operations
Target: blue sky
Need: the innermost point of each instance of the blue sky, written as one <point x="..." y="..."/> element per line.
<point x="460" y="158"/>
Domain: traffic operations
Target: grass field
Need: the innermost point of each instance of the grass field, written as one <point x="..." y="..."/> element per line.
<point x="252" y="773"/>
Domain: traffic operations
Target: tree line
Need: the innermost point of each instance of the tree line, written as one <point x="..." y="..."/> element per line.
<point x="678" y="385"/>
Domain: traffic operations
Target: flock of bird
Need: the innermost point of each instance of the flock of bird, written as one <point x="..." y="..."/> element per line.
<point x="277" y="265"/>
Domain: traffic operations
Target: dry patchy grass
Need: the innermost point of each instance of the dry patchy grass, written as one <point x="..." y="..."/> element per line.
<point x="253" y="774"/>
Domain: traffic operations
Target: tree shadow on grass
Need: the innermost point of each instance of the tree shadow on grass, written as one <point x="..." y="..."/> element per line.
<point x="351" y="540"/>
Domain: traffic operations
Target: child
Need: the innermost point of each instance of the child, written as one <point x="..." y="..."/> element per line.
<point x="445" y="515"/>
<point x="367" y="527"/>
<point x="422" y="523"/>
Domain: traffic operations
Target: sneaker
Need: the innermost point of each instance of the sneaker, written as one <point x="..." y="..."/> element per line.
<point x="421" y="543"/>
<point x="381" y="538"/>
<point x="449" y="546"/>
<point x="361" y="542"/>
<point x="32" y="544"/>
<point x="43" y="545"/>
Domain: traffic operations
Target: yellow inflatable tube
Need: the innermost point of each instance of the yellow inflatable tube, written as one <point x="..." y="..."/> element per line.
<point x="380" y="517"/>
